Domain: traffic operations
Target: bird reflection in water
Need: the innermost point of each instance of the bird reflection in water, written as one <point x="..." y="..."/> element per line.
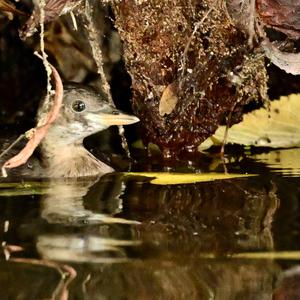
<point x="63" y="204"/>
<point x="72" y="170"/>
<point x="164" y="256"/>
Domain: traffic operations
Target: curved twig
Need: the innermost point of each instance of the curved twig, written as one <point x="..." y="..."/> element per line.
<point x="36" y="134"/>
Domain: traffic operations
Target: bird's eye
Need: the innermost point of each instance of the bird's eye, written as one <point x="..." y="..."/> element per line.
<point x="78" y="106"/>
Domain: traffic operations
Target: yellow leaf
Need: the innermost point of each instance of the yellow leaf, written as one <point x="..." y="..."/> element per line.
<point x="277" y="127"/>
<point x="278" y="255"/>
<point x="282" y="255"/>
<point x="164" y="178"/>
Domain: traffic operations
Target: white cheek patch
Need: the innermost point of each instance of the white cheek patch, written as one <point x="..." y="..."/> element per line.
<point x="66" y="135"/>
<point x="94" y="122"/>
<point x="76" y="127"/>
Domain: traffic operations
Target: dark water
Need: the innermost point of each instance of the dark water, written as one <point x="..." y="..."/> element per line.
<point x="123" y="237"/>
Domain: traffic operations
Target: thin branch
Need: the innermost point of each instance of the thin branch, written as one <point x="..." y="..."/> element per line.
<point x="196" y="28"/>
<point x="226" y="133"/>
<point x="42" y="5"/>
<point x="98" y="57"/>
<point x="22" y="136"/>
<point x="96" y="50"/>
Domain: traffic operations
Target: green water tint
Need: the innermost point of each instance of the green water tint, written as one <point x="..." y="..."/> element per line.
<point x="153" y="235"/>
<point x="25" y="188"/>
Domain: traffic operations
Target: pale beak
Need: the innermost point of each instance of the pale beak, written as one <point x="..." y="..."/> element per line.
<point x="115" y="118"/>
<point x="118" y="118"/>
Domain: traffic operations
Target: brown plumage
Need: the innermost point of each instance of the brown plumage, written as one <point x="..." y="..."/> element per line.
<point x="82" y="114"/>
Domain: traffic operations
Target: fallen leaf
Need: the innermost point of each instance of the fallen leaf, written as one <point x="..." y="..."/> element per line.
<point x="168" y="100"/>
<point x="52" y="10"/>
<point x="282" y="255"/>
<point x="264" y="255"/>
<point x="6" y="6"/>
<point x="276" y="127"/>
<point x="289" y="62"/>
<point x="164" y="178"/>
<point x="282" y="15"/>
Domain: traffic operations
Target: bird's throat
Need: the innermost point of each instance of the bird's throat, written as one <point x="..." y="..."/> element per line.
<point x="73" y="161"/>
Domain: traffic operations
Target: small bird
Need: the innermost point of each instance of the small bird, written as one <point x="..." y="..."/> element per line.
<point x="83" y="113"/>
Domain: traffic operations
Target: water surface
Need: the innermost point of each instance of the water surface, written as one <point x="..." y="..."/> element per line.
<point x="123" y="237"/>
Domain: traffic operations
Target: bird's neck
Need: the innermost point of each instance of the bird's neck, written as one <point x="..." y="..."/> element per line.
<point x="72" y="160"/>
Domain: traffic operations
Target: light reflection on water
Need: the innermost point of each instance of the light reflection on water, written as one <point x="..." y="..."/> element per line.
<point x="285" y="161"/>
<point x="125" y="238"/>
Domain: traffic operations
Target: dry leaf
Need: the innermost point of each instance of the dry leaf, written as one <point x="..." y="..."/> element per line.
<point x="6" y="6"/>
<point x="282" y="15"/>
<point x="276" y="128"/>
<point x="289" y="62"/>
<point x="168" y="99"/>
<point x="52" y="10"/>
<point x="282" y="255"/>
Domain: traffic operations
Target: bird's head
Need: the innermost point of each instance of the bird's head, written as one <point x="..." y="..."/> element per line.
<point x="83" y="113"/>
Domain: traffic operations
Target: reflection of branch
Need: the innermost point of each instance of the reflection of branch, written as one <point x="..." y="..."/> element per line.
<point x="61" y="292"/>
<point x="9" y="249"/>
<point x="36" y="134"/>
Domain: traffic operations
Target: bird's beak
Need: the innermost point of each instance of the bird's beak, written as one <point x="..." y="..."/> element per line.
<point x="116" y="118"/>
<point x="119" y="118"/>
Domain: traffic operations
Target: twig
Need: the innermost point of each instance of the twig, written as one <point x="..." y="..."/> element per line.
<point x="13" y="144"/>
<point x="187" y="46"/>
<point x="42" y="5"/>
<point x="74" y="21"/>
<point x="27" y="151"/>
<point x="36" y="134"/>
<point x="251" y="28"/>
<point x="98" y="57"/>
<point x="226" y="133"/>
<point x="96" y="50"/>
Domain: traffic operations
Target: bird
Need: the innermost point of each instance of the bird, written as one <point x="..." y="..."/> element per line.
<point x="71" y="170"/>
<point x="83" y="113"/>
